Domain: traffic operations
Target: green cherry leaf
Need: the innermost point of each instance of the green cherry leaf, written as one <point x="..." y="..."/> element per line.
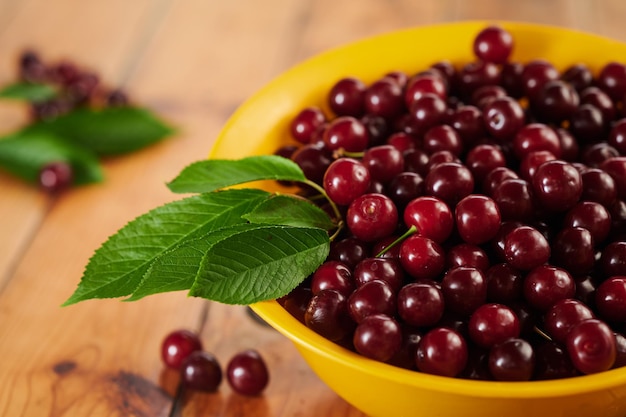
<point x="117" y="268"/>
<point x="176" y="269"/>
<point x="213" y="174"/>
<point x="108" y="131"/>
<point x="260" y="264"/>
<point x="28" y="92"/>
<point x="290" y="211"/>
<point x="25" y="153"/>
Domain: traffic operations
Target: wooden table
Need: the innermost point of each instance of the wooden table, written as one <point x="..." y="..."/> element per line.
<point x="193" y="62"/>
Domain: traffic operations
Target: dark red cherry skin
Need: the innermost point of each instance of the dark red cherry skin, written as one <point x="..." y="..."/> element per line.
<point x="383" y="162"/>
<point x="464" y="289"/>
<point x="491" y="324"/>
<point x="372" y="217"/>
<point x="431" y="217"/>
<point x="420" y="304"/>
<point x="612" y="80"/>
<point x="578" y="76"/>
<point x="477" y="219"/>
<point x="427" y="111"/>
<point x="465" y="254"/>
<point x="378" y="337"/>
<point x="591" y="346"/>
<point x="555" y="102"/>
<point x="306" y="123"/>
<point x="345" y="180"/>
<point x="177" y="346"/>
<point x="442" y="138"/>
<point x="545" y="285"/>
<point x="616" y="168"/>
<point x="493" y="44"/>
<point x="468" y="122"/>
<point x="617" y="136"/>
<point x="552" y="362"/>
<point x="313" y="160"/>
<point x="372" y="297"/>
<point x="526" y="248"/>
<point x="573" y="249"/>
<point x="247" y="373"/>
<point x="535" y="75"/>
<point x="591" y="216"/>
<point x="483" y="159"/>
<point x="384" y="98"/>
<point x="613" y="259"/>
<point x="346" y="97"/>
<point x="450" y="182"/>
<point x="349" y="251"/>
<point x="515" y="200"/>
<point x="442" y="351"/>
<point x="495" y="177"/>
<point x="424" y="84"/>
<point x="563" y="315"/>
<point x="346" y="133"/>
<point x="512" y="360"/>
<point x="384" y="269"/>
<point x="503" y="117"/>
<point x="504" y="283"/>
<point x="333" y="275"/>
<point x="610" y="299"/>
<point x="557" y="185"/>
<point x="56" y="177"/>
<point x="327" y="315"/>
<point x="421" y="257"/>
<point x="536" y="137"/>
<point x="476" y="74"/>
<point x="201" y="371"/>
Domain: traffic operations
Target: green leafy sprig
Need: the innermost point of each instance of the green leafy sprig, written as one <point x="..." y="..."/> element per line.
<point x="79" y="137"/>
<point x="231" y="245"/>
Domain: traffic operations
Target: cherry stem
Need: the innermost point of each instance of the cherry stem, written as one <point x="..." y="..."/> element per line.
<point x="342" y="152"/>
<point x="542" y="333"/>
<point x="406" y="234"/>
<point x="334" y="207"/>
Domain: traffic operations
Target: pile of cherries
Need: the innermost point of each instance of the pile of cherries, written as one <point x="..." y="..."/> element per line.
<point x="485" y="213"/>
<point x="75" y="87"/>
<point x="246" y="371"/>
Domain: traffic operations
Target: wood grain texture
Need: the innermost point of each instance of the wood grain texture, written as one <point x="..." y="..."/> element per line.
<point x="194" y="62"/>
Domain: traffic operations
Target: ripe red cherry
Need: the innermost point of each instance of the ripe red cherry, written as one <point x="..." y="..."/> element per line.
<point x="378" y="337"/>
<point x="201" y="371"/>
<point x="56" y="177"/>
<point x="610" y="299"/>
<point x="345" y="180"/>
<point x="346" y="133"/>
<point x="564" y="315"/>
<point x="420" y="304"/>
<point x="431" y="217"/>
<point x="306" y="124"/>
<point x="477" y="219"/>
<point x="177" y="346"/>
<point x="247" y="373"/>
<point x="545" y="285"/>
<point x="526" y="248"/>
<point x="372" y="217"/>
<point x="591" y="346"/>
<point x="557" y="185"/>
<point x="493" y="44"/>
<point x="442" y="351"/>
<point x="422" y="257"/>
<point x="492" y="323"/>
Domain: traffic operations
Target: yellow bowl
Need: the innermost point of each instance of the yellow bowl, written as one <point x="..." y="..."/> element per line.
<point x="260" y="125"/>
